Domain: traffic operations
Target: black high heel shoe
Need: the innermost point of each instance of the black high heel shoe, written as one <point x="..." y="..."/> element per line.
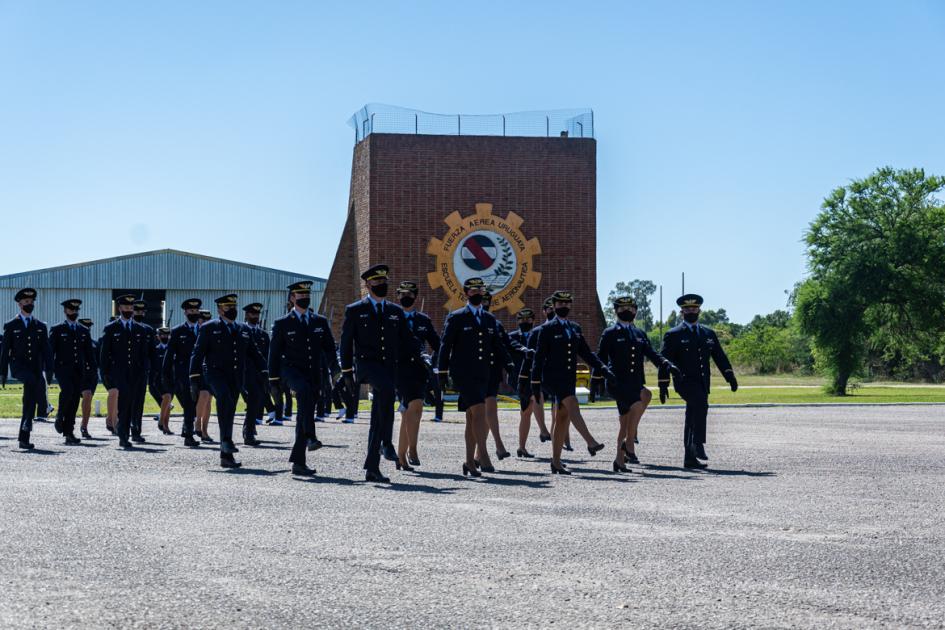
<point x="523" y="453"/>
<point x="404" y="467"/>
<point x="593" y="450"/>
<point x="488" y="469"/>
<point x="618" y="468"/>
<point x="559" y="471"/>
<point x="502" y="456"/>
<point x="545" y="438"/>
<point x="471" y="473"/>
<point x="413" y="461"/>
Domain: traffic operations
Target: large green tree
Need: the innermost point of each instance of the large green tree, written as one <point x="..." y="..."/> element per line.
<point x="876" y="254"/>
<point x="642" y="291"/>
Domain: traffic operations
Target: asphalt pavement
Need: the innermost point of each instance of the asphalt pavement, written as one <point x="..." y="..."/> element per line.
<point x="807" y="517"/>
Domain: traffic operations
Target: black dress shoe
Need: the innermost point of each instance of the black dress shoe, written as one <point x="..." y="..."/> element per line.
<point x="190" y="441"/>
<point x="523" y="453"/>
<point x="229" y="462"/>
<point x="692" y="462"/>
<point x="502" y="456"/>
<point x="593" y="450"/>
<point x="251" y="441"/>
<point x="389" y="453"/>
<point x="559" y="471"/>
<point x="568" y="447"/>
<point x="207" y="439"/>
<point x="375" y="476"/>
<point x="86" y="434"/>
<point x="471" y="473"/>
<point x="700" y="452"/>
<point x="27" y="446"/>
<point x="545" y="438"/>
<point x="413" y="461"/>
<point x="71" y="439"/>
<point x="302" y="470"/>
<point x="313" y="444"/>
<point x="137" y="439"/>
<point x="228" y="448"/>
<point x="631" y="458"/>
<point x="125" y="444"/>
<point x="618" y="468"/>
<point x="405" y="467"/>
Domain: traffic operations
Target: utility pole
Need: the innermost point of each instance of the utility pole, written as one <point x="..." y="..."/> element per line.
<point x="661" y="310"/>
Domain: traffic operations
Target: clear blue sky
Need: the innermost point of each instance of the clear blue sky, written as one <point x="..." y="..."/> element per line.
<point x="219" y="127"/>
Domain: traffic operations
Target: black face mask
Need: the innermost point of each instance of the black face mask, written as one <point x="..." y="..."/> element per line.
<point x="28" y="308"/>
<point x="407" y="301"/>
<point x="379" y="290"/>
<point x="475" y="299"/>
<point x="138" y="317"/>
<point x="252" y="320"/>
<point x="193" y="318"/>
<point x="126" y="314"/>
<point x="72" y="316"/>
<point x="550" y="315"/>
<point x="562" y="311"/>
<point x="626" y="316"/>
<point x="230" y="314"/>
<point x="303" y="303"/>
<point x="691" y="318"/>
<point x="525" y="326"/>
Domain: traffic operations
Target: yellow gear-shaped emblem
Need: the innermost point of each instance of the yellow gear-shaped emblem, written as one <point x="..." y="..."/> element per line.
<point x="489" y="247"/>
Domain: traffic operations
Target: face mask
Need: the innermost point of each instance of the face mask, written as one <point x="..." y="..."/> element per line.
<point x="379" y="290"/>
<point x="28" y="308"/>
<point x="193" y="318"/>
<point x="475" y="299"/>
<point x="230" y="313"/>
<point x="626" y="316"/>
<point x="126" y="314"/>
<point x="407" y="301"/>
<point x="72" y="316"/>
<point x="138" y="317"/>
<point x="252" y="320"/>
<point x="525" y="326"/>
<point x="562" y="311"/>
<point x="550" y="315"/>
<point x="691" y="318"/>
<point x="303" y="303"/>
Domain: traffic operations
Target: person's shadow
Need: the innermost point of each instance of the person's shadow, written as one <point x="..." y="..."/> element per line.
<point x="255" y="472"/>
<point x="694" y="473"/>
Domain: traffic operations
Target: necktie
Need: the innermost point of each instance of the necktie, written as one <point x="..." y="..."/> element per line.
<point x="567" y="329"/>
<point x="26" y="322"/>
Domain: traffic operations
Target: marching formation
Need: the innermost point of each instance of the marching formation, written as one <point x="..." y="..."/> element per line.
<point x="387" y="346"/>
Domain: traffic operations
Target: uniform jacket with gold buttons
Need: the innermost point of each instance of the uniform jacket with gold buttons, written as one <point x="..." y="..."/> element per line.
<point x="176" y="361"/>
<point x="25" y="351"/>
<point x="470" y="349"/>
<point x="124" y="354"/>
<point x="690" y="351"/>
<point x="623" y="348"/>
<point x="557" y="352"/>
<point x="72" y="350"/>
<point x="225" y="347"/>
<point x="381" y="338"/>
<point x="302" y="346"/>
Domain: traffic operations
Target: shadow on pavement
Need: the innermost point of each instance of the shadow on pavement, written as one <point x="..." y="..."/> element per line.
<point x="254" y="472"/>
<point x="38" y="451"/>
<point x="696" y="472"/>
<point x="414" y="487"/>
<point x="341" y="481"/>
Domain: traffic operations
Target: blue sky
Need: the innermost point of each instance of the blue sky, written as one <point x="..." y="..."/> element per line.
<point x="219" y="127"/>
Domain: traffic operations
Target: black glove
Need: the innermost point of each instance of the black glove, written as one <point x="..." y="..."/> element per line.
<point x="609" y="375"/>
<point x="675" y="371"/>
<point x="592" y="394"/>
<point x="664" y="393"/>
<point x="194" y="388"/>
<point x="733" y="383"/>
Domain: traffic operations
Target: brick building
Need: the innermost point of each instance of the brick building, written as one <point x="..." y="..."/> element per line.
<point x="413" y="205"/>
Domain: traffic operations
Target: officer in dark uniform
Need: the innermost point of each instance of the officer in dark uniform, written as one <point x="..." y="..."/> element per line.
<point x="523" y="336"/>
<point x="469" y="344"/>
<point x="71" y="346"/>
<point x="257" y="381"/>
<point x="690" y="345"/>
<point x="501" y="360"/>
<point x="299" y="339"/>
<point x="413" y="375"/>
<point x="374" y="339"/>
<point x="90" y="381"/>
<point x="25" y="353"/>
<point x="622" y="348"/>
<point x="139" y="313"/>
<point x="126" y="350"/>
<point x="161" y="391"/>
<point x="560" y="343"/>
<point x="223" y="348"/>
<point x="176" y="365"/>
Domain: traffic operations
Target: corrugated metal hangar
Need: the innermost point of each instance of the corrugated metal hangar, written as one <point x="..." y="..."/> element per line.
<point x="164" y="278"/>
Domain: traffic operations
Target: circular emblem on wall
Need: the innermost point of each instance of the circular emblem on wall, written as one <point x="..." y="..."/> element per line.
<point x="489" y="247"/>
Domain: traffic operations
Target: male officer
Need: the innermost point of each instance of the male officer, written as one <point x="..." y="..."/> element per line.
<point x="690" y="345"/>
<point x="71" y="346"/>
<point x="176" y="365"/>
<point x="528" y="406"/>
<point x="124" y="364"/>
<point x="413" y="376"/>
<point x="374" y="339"/>
<point x="623" y="347"/>
<point x="90" y="381"/>
<point x="25" y="352"/>
<point x="161" y="392"/>
<point x="257" y="381"/>
<point x="560" y="342"/>
<point x="223" y="348"/>
<point x="469" y="344"/>
<point x="299" y="339"/>
<point x="138" y="314"/>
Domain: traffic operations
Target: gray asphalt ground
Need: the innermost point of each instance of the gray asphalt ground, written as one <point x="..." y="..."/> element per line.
<point x="807" y="518"/>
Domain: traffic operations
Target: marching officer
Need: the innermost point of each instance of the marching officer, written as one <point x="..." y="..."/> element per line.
<point x="124" y="364"/>
<point x="223" y="348"/>
<point x="500" y="361"/>
<point x="176" y="365"/>
<point x="257" y="380"/>
<point x="469" y="344"/>
<point x="299" y="340"/>
<point x="140" y="310"/>
<point x="622" y="348"/>
<point x="414" y="375"/>
<point x="374" y="339"/>
<point x="26" y="354"/>
<point x="689" y="345"/>
<point x="560" y="343"/>
<point x="204" y="399"/>
<point x="528" y="406"/>
<point x="71" y="346"/>
<point x="161" y="391"/>
<point x="90" y="382"/>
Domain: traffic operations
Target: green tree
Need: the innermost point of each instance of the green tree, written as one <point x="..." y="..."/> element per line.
<point x="641" y="291"/>
<point x="876" y="255"/>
